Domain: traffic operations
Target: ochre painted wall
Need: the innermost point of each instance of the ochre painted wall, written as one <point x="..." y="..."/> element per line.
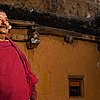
<point x="53" y="60"/>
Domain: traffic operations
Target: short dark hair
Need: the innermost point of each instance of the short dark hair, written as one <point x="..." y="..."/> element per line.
<point x="1" y="11"/>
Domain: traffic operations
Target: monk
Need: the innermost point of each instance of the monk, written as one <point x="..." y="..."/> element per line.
<point x="16" y="79"/>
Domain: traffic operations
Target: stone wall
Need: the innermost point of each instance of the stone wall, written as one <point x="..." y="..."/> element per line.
<point x="82" y="8"/>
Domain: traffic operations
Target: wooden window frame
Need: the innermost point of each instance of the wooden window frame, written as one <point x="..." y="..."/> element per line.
<point x="79" y="79"/>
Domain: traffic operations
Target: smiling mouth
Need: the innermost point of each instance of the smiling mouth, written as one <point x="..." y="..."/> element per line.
<point x="2" y="33"/>
<point x="3" y="26"/>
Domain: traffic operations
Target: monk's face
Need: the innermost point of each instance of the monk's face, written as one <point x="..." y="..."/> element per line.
<point x="4" y="25"/>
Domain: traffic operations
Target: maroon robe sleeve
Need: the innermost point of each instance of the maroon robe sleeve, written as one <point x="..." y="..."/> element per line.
<point x="30" y="77"/>
<point x="33" y="93"/>
<point x="31" y="80"/>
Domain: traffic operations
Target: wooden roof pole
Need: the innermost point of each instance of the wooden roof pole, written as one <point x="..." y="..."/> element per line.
<point x="43" y="30"/>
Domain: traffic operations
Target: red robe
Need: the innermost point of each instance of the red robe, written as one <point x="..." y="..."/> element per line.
<point x="16" y="78"/>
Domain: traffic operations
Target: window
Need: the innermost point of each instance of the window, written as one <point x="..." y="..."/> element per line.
<point x="76" y="88"/>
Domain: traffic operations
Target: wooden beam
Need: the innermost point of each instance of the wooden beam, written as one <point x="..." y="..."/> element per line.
<point x="18" y="37"/>
<point x="66" y="33"/>
<point x="51" y="31"/>
<point x="18" y="31"/>
<point x="21" y="23"/>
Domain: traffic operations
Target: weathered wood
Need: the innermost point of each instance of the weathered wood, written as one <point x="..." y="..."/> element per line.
<point x="18" y="31"/>
<point x="21" y="23"/>
<point x="18" y="37"/>
<point x="66" y="33"/>
<point x="21" y="34"/>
